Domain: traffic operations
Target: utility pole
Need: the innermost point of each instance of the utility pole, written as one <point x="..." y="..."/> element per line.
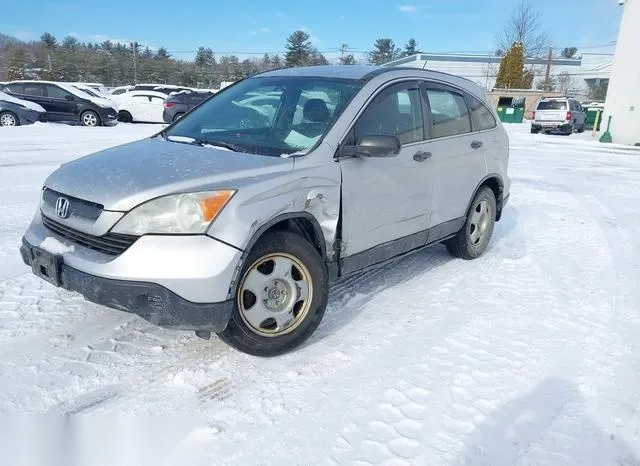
<point x="547" y="77"/>
<point x="343" y="50"/>
<point x="135" y="66"/>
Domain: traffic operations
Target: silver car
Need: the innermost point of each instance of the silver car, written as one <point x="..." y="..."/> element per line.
<point x="558" y="114"/>
<point x="236" y="218"/>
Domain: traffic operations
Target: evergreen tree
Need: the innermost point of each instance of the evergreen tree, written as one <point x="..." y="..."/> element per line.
<point x="299" y="49"/>
<point x="411" y="48"/>
<point x="383" y="52"/>
<point x="511" y="74"/>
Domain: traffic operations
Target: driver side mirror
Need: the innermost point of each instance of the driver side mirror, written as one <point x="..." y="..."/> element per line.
<point x="372" y="146"/>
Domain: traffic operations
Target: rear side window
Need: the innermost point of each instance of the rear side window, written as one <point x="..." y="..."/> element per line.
<point x="16" y="88"/>
<point x="552" y="105"/>
<point x="481" y="117"/>
<point x="449" y="113"/>
<point x="33" y="89"/>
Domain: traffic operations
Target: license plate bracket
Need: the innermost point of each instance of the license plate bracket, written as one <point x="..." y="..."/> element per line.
<point x="46" y="265"/>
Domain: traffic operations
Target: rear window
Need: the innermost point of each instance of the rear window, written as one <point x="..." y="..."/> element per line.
<point x="552" y="105"/>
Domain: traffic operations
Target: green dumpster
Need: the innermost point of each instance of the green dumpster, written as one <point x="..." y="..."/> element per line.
<point x="511" y="109"/>
<point x="592" y="112"/>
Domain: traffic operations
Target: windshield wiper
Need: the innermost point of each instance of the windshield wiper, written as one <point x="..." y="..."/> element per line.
<point x="204" y="143"/>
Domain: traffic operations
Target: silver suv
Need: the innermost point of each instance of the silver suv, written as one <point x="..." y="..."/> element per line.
<point x="558" y="114"/>
<point x="236" y="218"/>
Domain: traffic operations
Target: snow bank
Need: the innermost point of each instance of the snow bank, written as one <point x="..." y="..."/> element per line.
<point x="25" y="103"/>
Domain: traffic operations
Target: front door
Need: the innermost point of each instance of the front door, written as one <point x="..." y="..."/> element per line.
<point x="386" y="202"/>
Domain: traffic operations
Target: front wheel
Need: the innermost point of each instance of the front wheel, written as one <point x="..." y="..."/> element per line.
<point x="9" y="119"/>
<point x="472" y="240"/>
<point x="281" y="296"/>
<point x="90" y="118"/>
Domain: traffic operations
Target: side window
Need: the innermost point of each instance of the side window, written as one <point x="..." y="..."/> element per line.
<point x="396" y="111"/>
<point x="56" y="92"/>
<point x="481" y="117"/>
<point x="16" y="88"/>
<point x="449" y="113"/>
<point x="33" y="89"/>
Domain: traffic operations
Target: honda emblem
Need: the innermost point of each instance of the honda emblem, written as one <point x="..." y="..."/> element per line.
<point x="62" y="207"/>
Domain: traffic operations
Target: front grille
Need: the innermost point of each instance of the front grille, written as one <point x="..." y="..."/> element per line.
<point x="110" y="243"/>
<point x="77" y="207"/>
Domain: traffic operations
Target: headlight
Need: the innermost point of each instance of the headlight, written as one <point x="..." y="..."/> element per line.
<point x="181" y="213"/>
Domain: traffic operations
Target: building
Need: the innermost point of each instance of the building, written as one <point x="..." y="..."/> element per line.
<point x="623" y="96"/>
<point x="591" y="67"/>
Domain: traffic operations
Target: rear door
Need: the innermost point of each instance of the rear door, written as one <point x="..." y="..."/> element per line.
<point x="33" y="92"/>
<point x="63" y="104"/>
<point x="458" y="156"/>
<point x="386" y="202"/>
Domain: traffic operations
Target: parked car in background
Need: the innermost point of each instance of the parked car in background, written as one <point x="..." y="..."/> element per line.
<point x="235" y="221"/>
<point x="99" y="88"/>
<point x="16" y="112"/>
<point x="64" y="102"/>
<point x="167" y="89"/>
<point x="140" y="106"/>
<point x="120" y="90"/>
<point x="176" y="105"/>
<point x="558" y="114"/>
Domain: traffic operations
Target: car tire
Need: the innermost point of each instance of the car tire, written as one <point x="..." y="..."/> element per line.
<point x="571" y="130"/>
<point x="472" y="240"/>
<point x="281" y="296"/>
<point x="89" y="118"/>
<point x="125" y="117"/>
<point x="177" y="116"/>
<point x="8" y="118"/>
<point x="534" y="131"/>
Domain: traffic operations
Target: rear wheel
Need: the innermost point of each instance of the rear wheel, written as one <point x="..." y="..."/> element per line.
<point x="9" y="119"/>
<point x="177" y="116"/>
<point x="125" y="117"/>
<point x="281" y="296"/>
<point x="89" y="118"/>
<point x="472" y="240"/>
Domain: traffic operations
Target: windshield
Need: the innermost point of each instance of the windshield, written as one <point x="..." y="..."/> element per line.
<point x="552" y="105"/>
<point x="270" y="116"/>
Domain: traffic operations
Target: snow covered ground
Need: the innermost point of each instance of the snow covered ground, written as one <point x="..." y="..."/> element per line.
<point x="529" y="355"/>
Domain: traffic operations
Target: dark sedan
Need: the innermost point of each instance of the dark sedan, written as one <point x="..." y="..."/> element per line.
<point x="178" y="104"/>
<point x="16" y="112"/>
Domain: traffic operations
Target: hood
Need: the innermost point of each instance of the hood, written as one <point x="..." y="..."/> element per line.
<point x="122" y="177"/>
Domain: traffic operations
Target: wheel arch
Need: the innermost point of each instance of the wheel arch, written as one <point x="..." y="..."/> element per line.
<point x="95" y="112"/>
<point x="495" y="183"/>
<point x="301" y="223"/>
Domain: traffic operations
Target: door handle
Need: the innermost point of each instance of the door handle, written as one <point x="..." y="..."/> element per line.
<point x="421" y="156"/>
<point x="476" y="145"/>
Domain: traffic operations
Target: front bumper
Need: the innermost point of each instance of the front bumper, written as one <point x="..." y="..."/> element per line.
<point x="180" y="282"/>
<point x="150" y="301"/>
<point x="109" y="116"/>
<point x="28" y="117"/>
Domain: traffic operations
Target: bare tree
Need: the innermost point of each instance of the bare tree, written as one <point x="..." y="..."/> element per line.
<point x="524" y="25"/>
<point x="564" y="82"/>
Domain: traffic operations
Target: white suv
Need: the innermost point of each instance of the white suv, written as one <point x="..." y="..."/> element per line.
<point x="558" y="114"/>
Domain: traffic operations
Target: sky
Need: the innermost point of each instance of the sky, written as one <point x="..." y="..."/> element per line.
<point x="255" y="27"/>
